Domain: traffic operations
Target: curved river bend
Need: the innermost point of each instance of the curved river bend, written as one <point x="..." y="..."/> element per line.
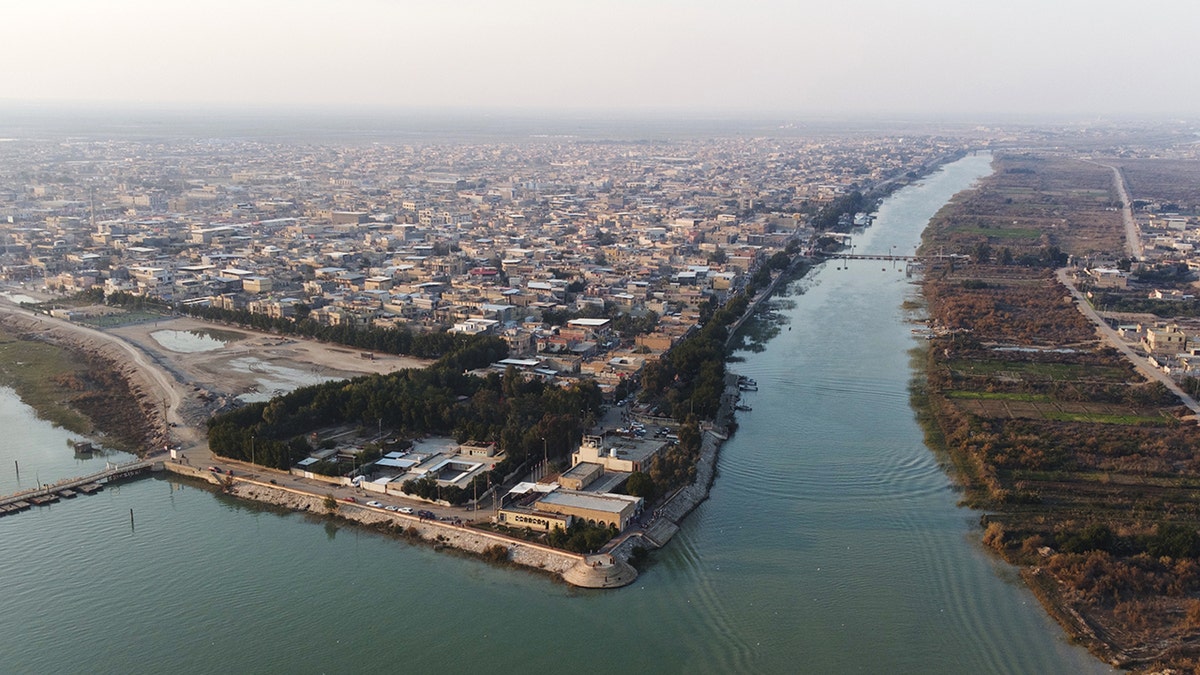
<point x="831" y="543"/>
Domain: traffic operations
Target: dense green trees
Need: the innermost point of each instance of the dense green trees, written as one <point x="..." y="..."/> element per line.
<point x="581" y="537"/>
<point x="827" y="218"/>
<point x="690" y="378"/>
<point x="426" y="345"/>
<point x="526" y="418"/>
<point x="641" y="485"/>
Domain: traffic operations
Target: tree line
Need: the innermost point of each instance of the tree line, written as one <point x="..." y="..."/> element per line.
<point x="400" y="340"/>
<point x="527" y="419"/>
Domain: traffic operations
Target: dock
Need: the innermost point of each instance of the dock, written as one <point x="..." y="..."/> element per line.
<point x="71" y="487"/>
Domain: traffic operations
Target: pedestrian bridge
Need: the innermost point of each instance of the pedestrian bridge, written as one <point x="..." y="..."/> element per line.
<point x="951" y="257"/>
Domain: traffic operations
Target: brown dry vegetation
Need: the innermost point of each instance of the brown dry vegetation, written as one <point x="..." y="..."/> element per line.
<point x="1088" y="473"/>
<point x="1031" y="202"/>
<point x="1163" y="181"/>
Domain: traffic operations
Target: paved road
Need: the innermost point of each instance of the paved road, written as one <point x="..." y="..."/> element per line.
<point x="1133" y="237"/>
<point x="1143" y="366"/>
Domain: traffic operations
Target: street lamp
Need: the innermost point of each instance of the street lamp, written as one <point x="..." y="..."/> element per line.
<point x="252" y="439"/>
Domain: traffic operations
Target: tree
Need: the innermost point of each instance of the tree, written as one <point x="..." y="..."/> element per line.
<point x="1174" y="540"/>
<point x="330" y="504"/>
<point x="640" y="485"/>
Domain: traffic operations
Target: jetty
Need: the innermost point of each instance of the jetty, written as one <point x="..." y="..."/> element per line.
<point x="71" y="487"/>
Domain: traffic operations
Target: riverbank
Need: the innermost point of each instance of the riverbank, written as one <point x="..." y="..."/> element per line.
<point x="576" y="569"/>
<point x="85" y="385"/>
<point x="603" y="572"/>
<point x="1084" y="470"/>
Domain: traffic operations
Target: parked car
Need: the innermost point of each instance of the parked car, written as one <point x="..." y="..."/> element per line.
<point x="391" y="507"/>
<point x="406" y="509"/>
<point x="376" y="504"/>
<point x="352" y="500"/>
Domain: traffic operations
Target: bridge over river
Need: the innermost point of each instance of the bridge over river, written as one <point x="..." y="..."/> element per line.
<point x="937" y="257"/>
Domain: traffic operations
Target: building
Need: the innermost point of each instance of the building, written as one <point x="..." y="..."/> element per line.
<point x="581" y="475"/>
<point x="541" y="521"/>
<point x="1109" y="277"/>
<point x="617" y="453"/>
<point x="1167" y="340"/>
<point x="604" y="509"/>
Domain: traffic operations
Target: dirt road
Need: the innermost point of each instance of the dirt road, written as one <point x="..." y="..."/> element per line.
<point x="187" y="383"/>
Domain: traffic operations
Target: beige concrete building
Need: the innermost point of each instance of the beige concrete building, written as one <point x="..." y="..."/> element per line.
<point x="617" y="453"/>
<point x="594" y="509"/>
<point x="541" y="521"/>
<point x="1167" y="340"/>
<point x="581" y="475"/>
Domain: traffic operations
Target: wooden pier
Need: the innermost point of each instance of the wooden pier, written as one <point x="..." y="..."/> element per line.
<point x="72" y="487"/>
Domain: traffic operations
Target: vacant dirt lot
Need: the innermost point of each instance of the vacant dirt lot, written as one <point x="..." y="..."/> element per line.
<point x="190" y="386"/>
<point x="247" y="356"/>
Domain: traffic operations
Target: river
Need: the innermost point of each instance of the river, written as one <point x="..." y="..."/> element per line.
<point x="832" y="542"/>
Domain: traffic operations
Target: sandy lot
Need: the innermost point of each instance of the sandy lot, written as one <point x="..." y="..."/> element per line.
<point x="248" y="357"/>
<point x="193" y="385"/>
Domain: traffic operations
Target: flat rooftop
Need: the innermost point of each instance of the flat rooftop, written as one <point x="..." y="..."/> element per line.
<point x="586" y="500"/>
<point x="636" y="449"/>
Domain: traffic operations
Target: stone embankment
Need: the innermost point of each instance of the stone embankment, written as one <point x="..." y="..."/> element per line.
<point x="666" y="518"/>
<point x="578" y="570"/>
<point x="665" y="521"/>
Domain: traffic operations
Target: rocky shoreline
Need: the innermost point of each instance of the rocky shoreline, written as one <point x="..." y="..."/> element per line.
<point x="596" y="571"/>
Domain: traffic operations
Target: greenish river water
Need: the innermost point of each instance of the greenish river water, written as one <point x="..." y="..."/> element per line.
<point x="831" y="543"/>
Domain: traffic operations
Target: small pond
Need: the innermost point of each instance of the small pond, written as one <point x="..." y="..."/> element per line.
<point x="193" y="341"/>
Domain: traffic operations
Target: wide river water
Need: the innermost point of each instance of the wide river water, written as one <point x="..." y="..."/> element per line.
<point x="831" y="543"/>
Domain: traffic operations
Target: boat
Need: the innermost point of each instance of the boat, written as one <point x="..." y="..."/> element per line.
<point x="743" y="408"/>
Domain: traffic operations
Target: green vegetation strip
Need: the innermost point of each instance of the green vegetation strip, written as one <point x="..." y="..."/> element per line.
<point x="1127" y="420"/>
<point x="999" y="396"/>
<point x="32" y="369"/>
<point x="1051" y="371"/>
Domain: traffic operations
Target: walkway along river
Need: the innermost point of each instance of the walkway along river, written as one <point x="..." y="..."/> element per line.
<point x="831" y="542"/>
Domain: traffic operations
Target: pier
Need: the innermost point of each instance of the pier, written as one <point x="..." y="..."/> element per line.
<point x="71" y="487"/>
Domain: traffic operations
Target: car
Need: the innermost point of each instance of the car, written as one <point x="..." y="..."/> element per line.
<point x="352" y="500"/>
<point x="376" y="504"/>
<point x="391" y="507"/>
<point x="406" y="509"/>
<point x="427" y="514"/>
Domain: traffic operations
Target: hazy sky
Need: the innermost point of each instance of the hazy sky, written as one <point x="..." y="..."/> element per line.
<point x="940" y="57"/>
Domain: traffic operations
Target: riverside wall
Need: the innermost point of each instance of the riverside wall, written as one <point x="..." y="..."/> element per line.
<point x="519" y="552"/>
